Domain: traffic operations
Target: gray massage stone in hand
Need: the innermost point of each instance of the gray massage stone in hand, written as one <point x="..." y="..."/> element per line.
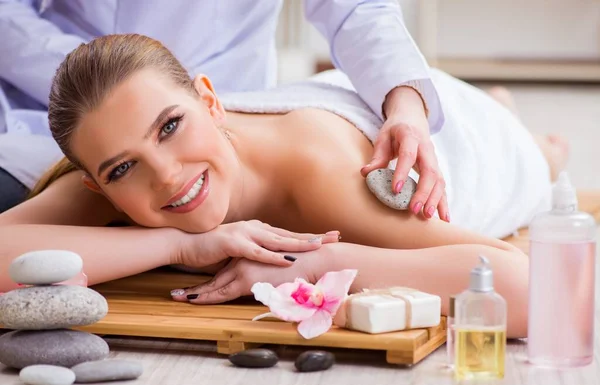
<point x="380" y="184"/>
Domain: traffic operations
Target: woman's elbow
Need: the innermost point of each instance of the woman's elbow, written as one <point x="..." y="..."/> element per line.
<point x="512" y="283"/>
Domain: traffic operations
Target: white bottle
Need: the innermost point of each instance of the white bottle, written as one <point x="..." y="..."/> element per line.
<point x="561" y="282"/>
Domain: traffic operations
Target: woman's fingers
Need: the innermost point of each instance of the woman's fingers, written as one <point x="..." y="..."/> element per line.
<point x="329" y="237"/>
<point x="273" y="241"/>
<point x="222" y="278"/>
<point x="278" y="243"/>
<point x="227" y="292"/>
<point x="251" y="250"/>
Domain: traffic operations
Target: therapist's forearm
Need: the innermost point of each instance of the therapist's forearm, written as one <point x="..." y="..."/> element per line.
<point x="108" y="252"/>
<point x="443" y="271"/>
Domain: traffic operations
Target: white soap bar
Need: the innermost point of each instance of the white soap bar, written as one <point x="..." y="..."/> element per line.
<point x="387" y="310"/>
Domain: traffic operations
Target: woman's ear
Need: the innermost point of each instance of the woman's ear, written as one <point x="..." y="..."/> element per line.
<point x="91" y="185"/>
<point x="207" y="94"/>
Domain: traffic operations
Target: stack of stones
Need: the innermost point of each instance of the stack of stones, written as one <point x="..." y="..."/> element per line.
<point x="42" y="313"/>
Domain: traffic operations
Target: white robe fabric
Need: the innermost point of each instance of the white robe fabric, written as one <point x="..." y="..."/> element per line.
<point x="497" y="178"/>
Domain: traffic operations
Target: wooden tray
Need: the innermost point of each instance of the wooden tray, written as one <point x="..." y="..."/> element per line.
<point x="141" y="306"/>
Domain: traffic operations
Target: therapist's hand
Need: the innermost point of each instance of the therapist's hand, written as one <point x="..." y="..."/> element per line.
<point x="405" y="135"/>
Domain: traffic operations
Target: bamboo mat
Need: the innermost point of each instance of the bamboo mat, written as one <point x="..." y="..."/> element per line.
<point x="141" y="306"/>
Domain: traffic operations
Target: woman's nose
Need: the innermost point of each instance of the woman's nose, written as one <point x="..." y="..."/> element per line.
<point x="167" y="172"/>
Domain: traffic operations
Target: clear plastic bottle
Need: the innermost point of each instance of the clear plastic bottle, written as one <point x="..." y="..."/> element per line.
<point x="450" y="337"/>
<point x="561" y="282"/>
<point x="480" y="328"/>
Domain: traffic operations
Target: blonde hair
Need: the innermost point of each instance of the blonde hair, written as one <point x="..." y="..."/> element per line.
<point x="63" y="167"/>
<point x="92" y="70"/>
<point x="87" y="75"/>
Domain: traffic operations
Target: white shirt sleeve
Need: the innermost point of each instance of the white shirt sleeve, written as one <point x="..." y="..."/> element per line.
<point x="31" y="48"/>
<point x="370" y="43"/>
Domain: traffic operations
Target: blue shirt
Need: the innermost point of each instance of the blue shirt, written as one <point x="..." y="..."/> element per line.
<point x="232" y="41"/>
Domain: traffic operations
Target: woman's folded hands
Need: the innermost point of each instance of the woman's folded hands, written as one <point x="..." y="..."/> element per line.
<point x="253" y="240"/>
<point x="240" y="274"/>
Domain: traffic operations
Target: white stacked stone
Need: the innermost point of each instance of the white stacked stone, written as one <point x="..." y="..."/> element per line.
<point x="42" y="313"/>
<point x="42" y="344"/>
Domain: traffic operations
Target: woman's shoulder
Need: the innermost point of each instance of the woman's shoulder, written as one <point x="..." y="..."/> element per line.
<point x="319" y="144"/>
<point x="65" y="201"/>
<point x="322" y="137"/>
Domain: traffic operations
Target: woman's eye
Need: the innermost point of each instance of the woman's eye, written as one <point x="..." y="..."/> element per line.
<point x="169" y="128"/>
<point x="120" y="170"/>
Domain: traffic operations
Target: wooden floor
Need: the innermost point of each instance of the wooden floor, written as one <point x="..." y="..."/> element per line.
<point x="572" y="111"/>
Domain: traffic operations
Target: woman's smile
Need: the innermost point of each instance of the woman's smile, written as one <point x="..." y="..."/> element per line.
<point x="191" y="196"/>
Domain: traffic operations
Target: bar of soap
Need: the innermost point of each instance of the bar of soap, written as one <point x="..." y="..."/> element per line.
<point x="388" y="310"/>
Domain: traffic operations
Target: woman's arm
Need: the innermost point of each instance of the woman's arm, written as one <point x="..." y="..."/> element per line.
<point x="442" y="271"/>
<point x="107" y="253"/>
<point x="68" y="216"/>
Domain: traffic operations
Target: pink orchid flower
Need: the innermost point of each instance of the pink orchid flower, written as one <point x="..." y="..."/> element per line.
<point x="313" y="306"/>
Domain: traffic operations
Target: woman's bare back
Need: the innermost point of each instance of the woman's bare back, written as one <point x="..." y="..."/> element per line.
<point x="328" y="192"/>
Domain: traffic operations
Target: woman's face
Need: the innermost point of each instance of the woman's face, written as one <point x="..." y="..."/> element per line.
<point x="154" y="149"/>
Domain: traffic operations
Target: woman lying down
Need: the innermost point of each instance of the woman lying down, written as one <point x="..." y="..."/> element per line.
<point x="159" y="151"/>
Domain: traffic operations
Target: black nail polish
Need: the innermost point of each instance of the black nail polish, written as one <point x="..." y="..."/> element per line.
<point x="289" y="258"/>
<point x="192" y="296"/>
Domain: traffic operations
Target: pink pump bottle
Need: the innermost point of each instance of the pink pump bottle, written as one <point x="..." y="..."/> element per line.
<point x="562" y="282"/>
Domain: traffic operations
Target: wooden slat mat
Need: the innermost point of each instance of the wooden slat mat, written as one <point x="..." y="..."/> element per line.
<point x="141" y="306"/>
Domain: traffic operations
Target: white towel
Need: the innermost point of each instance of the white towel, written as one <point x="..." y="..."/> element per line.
<point x="497" y="178"/>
